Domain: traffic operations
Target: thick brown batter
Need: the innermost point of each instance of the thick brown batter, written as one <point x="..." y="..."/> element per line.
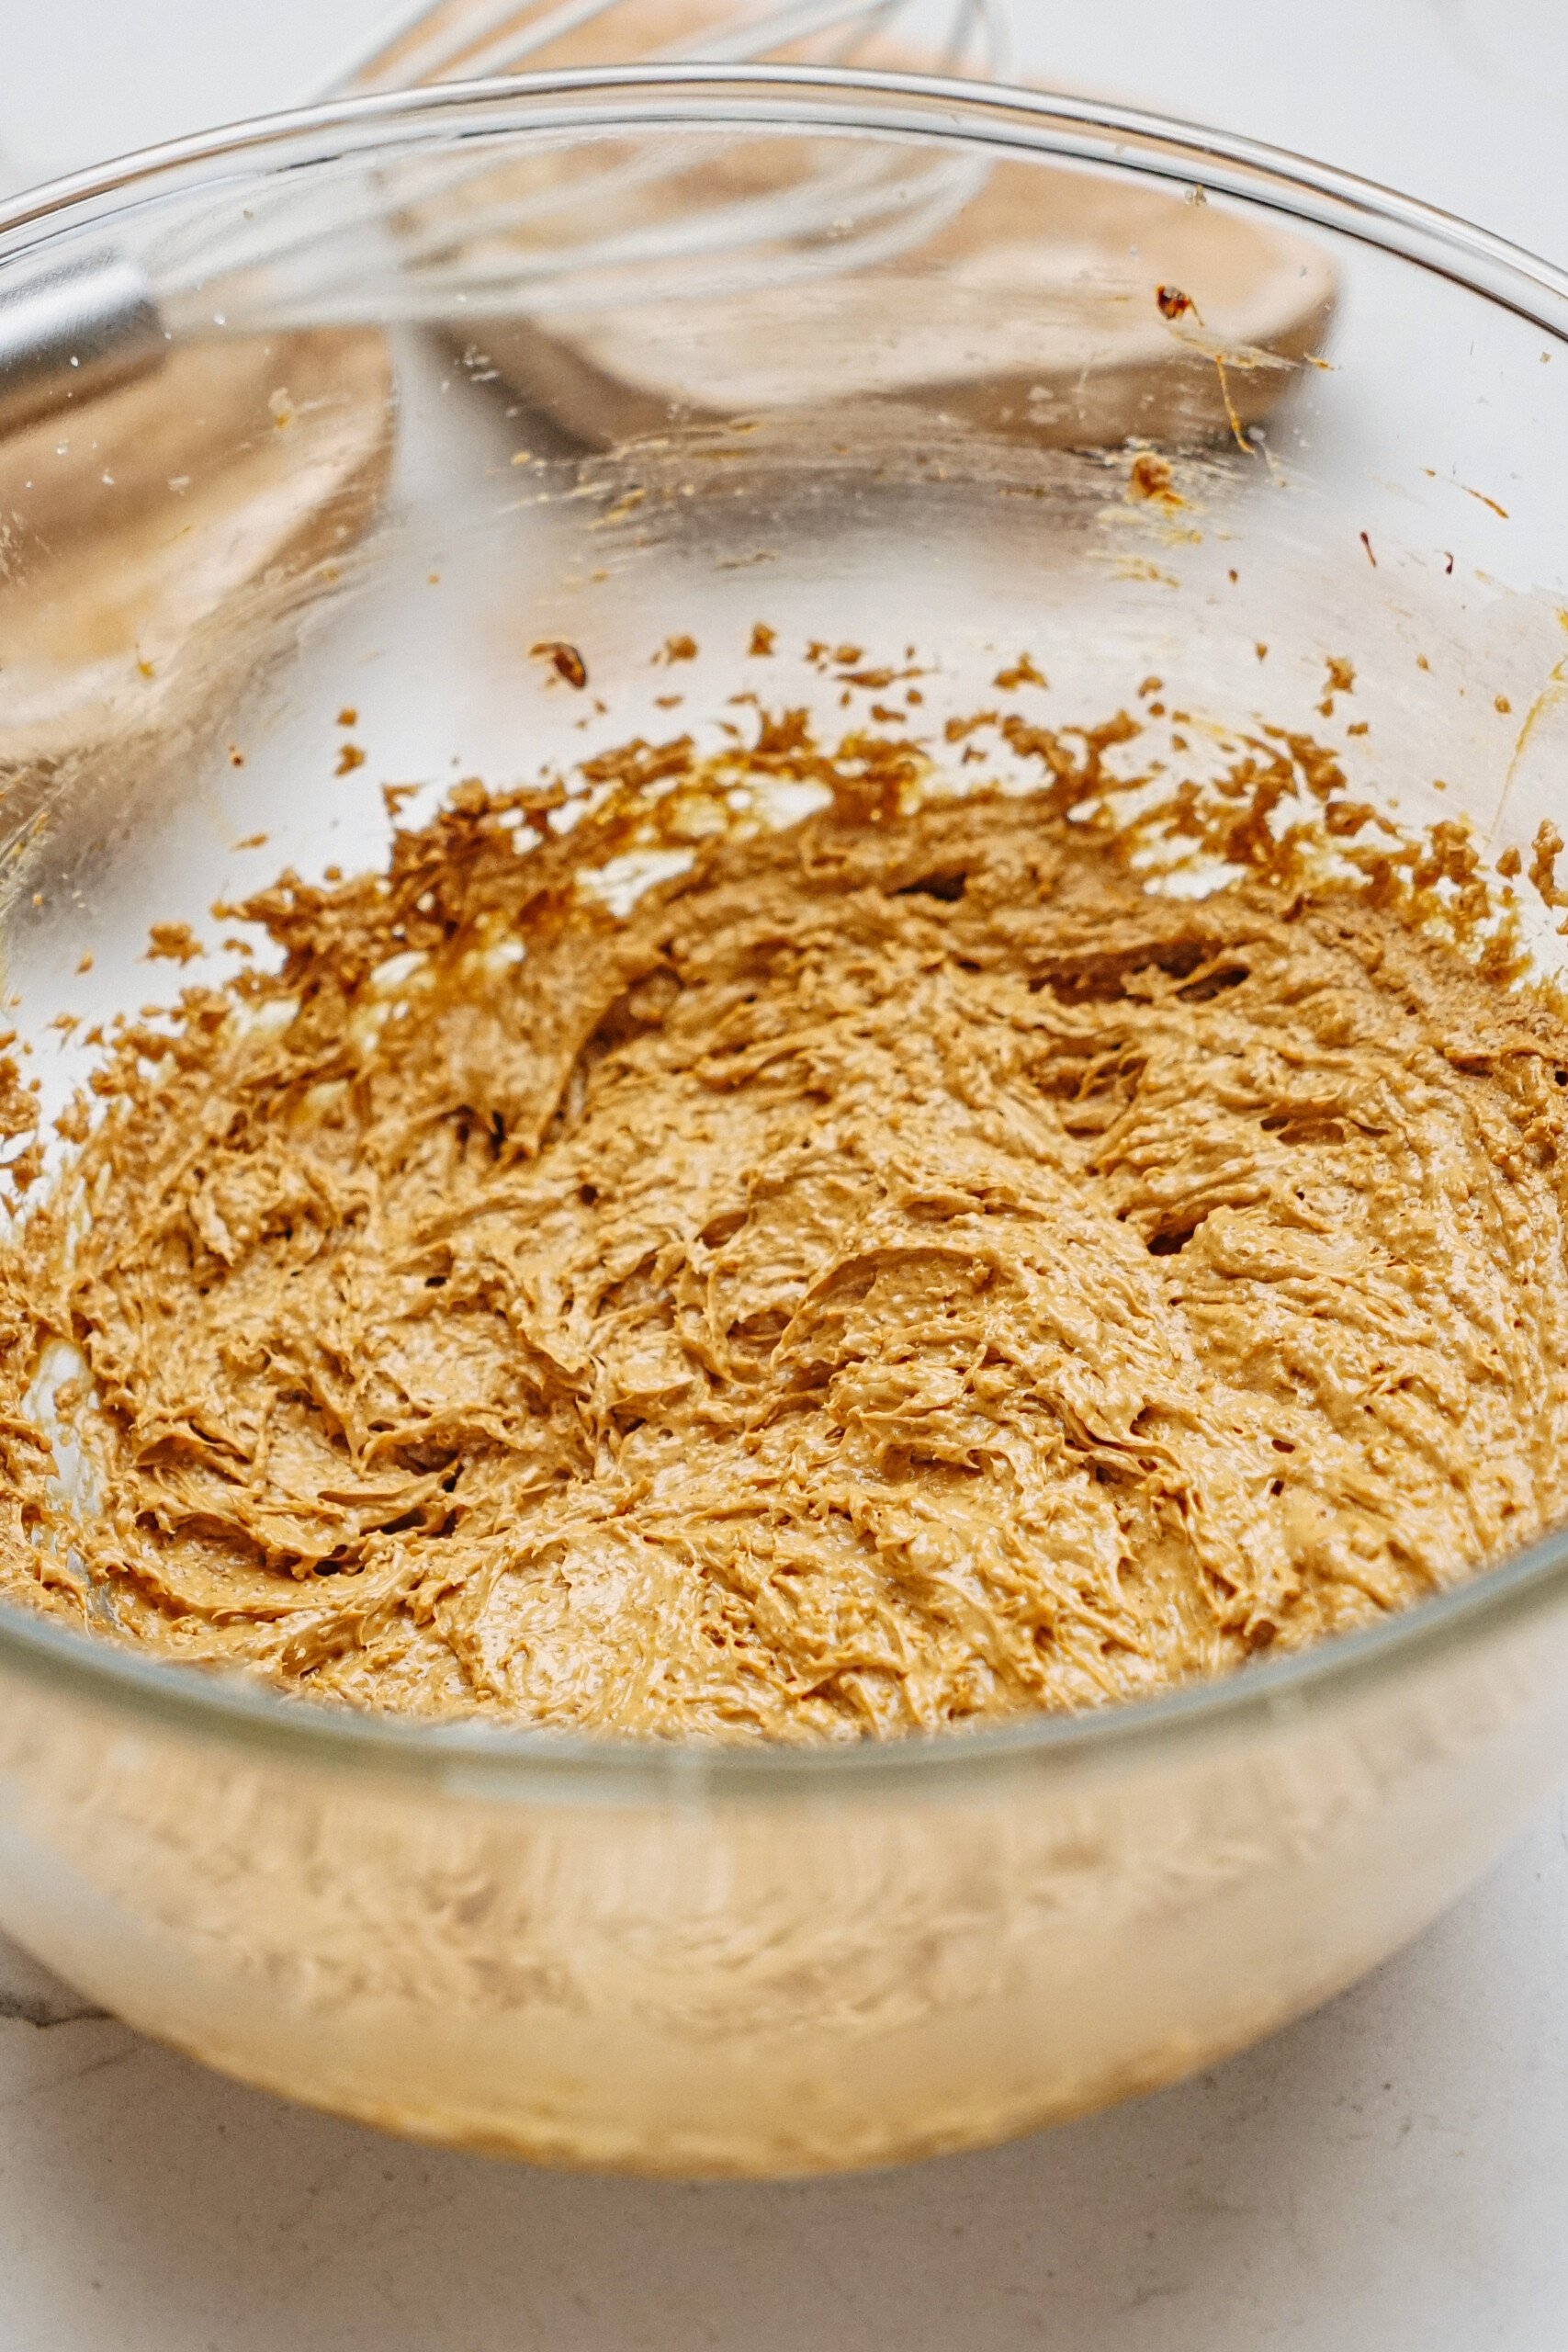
<point x="904" y="1274"/>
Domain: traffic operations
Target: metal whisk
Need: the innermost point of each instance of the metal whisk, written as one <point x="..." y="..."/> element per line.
<point x="464" y="39"/>
<point x="454" y="238"/>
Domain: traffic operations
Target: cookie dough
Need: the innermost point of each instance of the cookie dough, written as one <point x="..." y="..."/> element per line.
<point x="902" y="1274"/>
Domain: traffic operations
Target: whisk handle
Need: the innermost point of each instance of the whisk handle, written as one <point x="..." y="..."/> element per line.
<point x="70" y="329"/>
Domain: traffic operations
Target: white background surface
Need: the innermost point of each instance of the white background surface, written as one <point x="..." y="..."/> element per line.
<point x="1393" y="2174"/>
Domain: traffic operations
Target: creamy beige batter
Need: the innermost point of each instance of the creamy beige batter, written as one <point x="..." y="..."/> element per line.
<point x="905" y="1274"/>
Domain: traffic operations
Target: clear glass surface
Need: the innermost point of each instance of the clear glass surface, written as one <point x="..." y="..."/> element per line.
<point x="608" y="358"/>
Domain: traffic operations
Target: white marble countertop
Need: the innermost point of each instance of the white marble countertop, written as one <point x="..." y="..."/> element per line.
<point x="1389" y="2175"/>
<point x="1392" y="2173"/>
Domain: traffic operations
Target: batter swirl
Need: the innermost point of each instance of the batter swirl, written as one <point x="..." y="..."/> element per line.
<point x="903" y="1275"/>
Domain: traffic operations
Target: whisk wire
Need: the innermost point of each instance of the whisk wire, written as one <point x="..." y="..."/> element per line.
<point x="506" y="50"/>
<point x="481" y="38"/>
<point x="551" y="292"/>
<point x="800" y="20"/>
<point x="476" y="233"/>
<point x="473" y="249"/>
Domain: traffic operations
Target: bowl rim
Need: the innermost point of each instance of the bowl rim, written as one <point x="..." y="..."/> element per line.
<point x="501" y="1761"/>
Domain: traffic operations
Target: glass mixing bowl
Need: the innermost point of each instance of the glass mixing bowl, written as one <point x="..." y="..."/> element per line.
<point x="937" y="373"/>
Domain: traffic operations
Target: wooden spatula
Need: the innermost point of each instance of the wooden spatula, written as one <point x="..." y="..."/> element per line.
<point x="1039" y="313"/>
<point x="1055" y="303"/>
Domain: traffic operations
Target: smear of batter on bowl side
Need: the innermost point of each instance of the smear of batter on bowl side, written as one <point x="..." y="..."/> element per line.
<point x="904" y="1274"/>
